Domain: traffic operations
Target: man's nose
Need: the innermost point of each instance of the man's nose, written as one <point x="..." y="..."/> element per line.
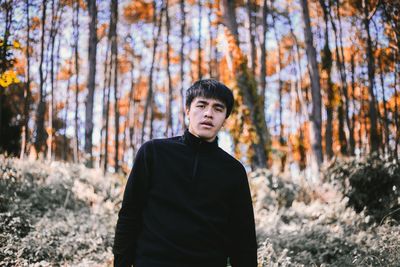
<point x="208" y="112"/>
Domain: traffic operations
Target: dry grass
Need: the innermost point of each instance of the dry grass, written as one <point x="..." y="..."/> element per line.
<point x="64" y="215"/>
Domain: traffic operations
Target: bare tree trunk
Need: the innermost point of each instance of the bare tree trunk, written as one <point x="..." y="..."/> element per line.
<point x="40" y="131"/>
<point x="247" y="87"/>
<point x="371" y="79"/>
<point x="280" y="83"/>
<point x="252" y="25"/>
<point x="342" y="135"/>
<point x="55" y="19"/>
<point x="211" y="66"/>
<point x="152" y="118"/>
<point x="396" y="108"/>
<point x="106" y="92"/>
<point x="114" y="57"/>
<point x="27" y="91"/>
<point x="316" y="117"/>
<point x="182" y="63"/>
<point x="92" y="50"/>
<point x="107" y="113"/>
<point x="263" y="73"/>
<point x="149" y="97"/>
<point x="353" y="86"/>
<point x="51" y="101"/>
<point x="168" y="126"/>
<point x="327" y="68"/>
<point x="131" y="108"/>
<point x="343" y="77"/>
<point x="199" y="48"/>
<point x="343" y="110"/>
<point x="76" y="49"/>
<point x="65" y="145"/>
<point x="385" y="111"/>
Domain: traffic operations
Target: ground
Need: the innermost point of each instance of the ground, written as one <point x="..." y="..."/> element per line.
<point x="61" y="214"/>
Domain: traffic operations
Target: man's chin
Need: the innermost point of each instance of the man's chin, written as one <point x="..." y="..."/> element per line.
<point x="205" y="135"/>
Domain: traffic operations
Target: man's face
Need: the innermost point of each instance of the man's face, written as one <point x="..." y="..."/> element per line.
<point x="206" y="117"/>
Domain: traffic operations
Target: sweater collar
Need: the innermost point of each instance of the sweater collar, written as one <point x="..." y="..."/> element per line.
<point x="197" y="143"/>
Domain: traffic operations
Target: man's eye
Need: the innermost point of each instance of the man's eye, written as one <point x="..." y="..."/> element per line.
<point x="200" y="106"/>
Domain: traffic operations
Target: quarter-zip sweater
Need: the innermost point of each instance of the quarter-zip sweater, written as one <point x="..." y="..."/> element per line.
<point x="187" y="203"/>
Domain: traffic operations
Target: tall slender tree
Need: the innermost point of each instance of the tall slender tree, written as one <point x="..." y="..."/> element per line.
<point x="316" y="114"/>
<point x="247" y="87"/>
<point x="156" y="37"/>
<point x="168" y="116"/>
<point x="41" y="108"/>
<point x="92" y="50"/>
<point x="367" y="16"/>
<point x="27" y="89"/>
<point x="76" y="57"/>
<point x="114" y="58"/>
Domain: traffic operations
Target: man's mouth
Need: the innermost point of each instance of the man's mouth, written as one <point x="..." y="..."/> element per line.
<point x="208" y="124"/>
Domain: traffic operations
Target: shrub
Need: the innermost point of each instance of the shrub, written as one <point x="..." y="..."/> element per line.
<point x="372" y="184"/>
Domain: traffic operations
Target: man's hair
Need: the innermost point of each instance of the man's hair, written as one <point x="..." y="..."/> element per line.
<point x="210" y="88"/>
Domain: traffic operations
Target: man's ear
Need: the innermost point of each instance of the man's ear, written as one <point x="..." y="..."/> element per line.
<point x="187" y="111"/>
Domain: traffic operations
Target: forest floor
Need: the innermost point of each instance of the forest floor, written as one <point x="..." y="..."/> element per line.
<point x="61" y="214"/>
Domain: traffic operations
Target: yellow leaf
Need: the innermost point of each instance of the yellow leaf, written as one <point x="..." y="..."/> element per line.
<point x="16" y="44"/>
<point x="8" y="77"/>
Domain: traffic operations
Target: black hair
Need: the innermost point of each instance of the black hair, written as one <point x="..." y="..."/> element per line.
<point x="210" y="88"/>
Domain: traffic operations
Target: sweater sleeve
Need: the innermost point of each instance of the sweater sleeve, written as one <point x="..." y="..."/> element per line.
<point x="243" y="250"/>
<point x="130" y="215"/>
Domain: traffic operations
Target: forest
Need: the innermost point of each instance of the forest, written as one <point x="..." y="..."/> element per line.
<point x="84" y="83"/>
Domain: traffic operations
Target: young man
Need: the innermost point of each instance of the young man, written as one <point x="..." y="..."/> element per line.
<point x="187" y="202"/>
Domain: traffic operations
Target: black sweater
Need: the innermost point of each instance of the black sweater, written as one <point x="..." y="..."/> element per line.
<point x="187" y="203"/>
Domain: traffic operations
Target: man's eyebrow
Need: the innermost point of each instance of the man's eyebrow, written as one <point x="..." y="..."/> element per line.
<point x="216" y="104"/>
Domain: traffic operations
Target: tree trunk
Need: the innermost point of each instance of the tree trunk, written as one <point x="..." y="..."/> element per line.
<point x="263" y="73"/>
<point x="92" y="50"/>
<point x="182" y="62"/>
<point x="211" y="66"/>
<point x="131" y="109"/>
<point x="343" y="77"/>
<point x="76" y="54"/>
<point x="114" y="62"/>
<point x="105" y="93"/>
<point x="353" y="86"/>
<point x="326" y="58"/>
<point x="27" y="91"/>
<point x="199" y="48"/>
<point x="386" y="146"/>
<point x="107" y="112"/>
<point x="149" y="97"/>
<point x="316" y="117"/>
<point x="251" y="29"/>
<point x="342" y="135"/>
<point x="65" y="145"/>
<point x="280" y="83"/>
<point x="168" y="116"/>
<point x="371" y="80"/>
<point x="55" y="18"/>
<point x="40" y="131"/>
<point x="246" y="84"/>
<point x="396" y="108"/>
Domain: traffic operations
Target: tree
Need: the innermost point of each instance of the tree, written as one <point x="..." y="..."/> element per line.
<point x="368" y="14"/>
<point x="246" y="87"/>
<point x="41" y="134"/>
<point x="316" y="117"/>
<point x="92" y="8"/>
